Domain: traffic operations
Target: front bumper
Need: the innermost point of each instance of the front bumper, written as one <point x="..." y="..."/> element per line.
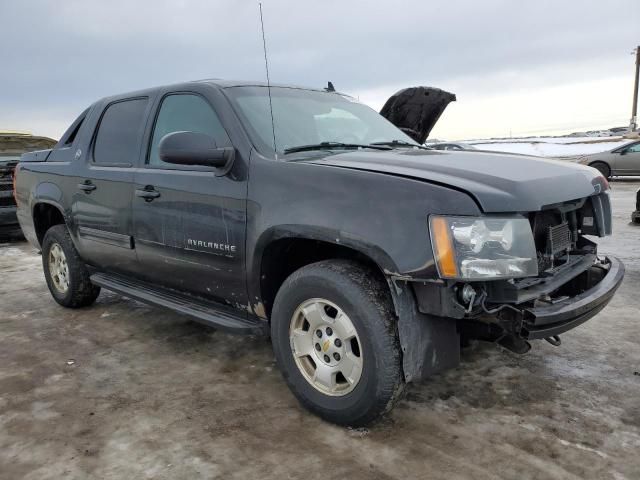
<point x="546" y="320"/>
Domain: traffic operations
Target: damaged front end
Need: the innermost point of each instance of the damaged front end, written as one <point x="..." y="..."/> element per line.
<point x="573" y="283"/>
<point x="558" y="306"/>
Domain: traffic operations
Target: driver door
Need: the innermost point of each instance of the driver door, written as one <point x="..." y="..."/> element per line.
<point x="628" y="161"/>
<point x="190" y="235"/>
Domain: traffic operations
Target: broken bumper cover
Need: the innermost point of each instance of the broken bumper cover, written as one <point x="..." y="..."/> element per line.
<point x="561" y="316"/>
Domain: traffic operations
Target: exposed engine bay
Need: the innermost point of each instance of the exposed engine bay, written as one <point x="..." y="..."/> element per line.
<point x="514" y="310"/>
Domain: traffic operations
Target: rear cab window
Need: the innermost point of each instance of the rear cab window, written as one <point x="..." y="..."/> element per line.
<point x="70" y="135"/>
<point x="62" y="151"/>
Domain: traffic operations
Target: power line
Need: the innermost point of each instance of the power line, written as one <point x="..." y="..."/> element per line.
<point x="634" y="108"/>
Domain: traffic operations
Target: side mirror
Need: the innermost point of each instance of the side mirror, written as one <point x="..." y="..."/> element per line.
<point x="623" y="152"/>
<point x="192" y="148"/>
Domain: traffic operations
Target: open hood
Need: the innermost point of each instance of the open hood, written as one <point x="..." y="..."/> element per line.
<point x="416" y="110"/>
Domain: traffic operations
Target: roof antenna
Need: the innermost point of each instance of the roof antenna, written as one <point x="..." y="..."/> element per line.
<point x="266" y="66"/>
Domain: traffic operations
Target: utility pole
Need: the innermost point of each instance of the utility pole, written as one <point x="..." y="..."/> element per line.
<point x="634" y="109"/>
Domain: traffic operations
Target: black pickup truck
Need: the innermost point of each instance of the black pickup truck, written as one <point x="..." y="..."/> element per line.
<point x="305" y="215"/>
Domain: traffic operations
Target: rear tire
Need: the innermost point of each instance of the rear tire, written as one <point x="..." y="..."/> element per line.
<point x="603" y="168"/>
<point x="66" y="274"/>
<point x="348" y="313"/>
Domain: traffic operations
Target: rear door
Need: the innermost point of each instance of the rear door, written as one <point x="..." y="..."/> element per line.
<point x="191" y="235"/>
<point x="101" y="204"/>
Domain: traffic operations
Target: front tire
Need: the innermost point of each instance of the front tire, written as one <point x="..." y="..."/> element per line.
<point x="65" y="272"/>
<point x="603" y="168"/>
<point x="335" y="340"/>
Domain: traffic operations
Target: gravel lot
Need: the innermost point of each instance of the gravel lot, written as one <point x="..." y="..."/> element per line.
<point x="122" y="390"/>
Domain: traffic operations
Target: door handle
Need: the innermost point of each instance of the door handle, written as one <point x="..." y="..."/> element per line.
<point x="148" y="193"/>
<point x="87" y="186"/>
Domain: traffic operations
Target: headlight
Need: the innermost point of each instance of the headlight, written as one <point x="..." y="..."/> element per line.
<point x="483" y="248"/>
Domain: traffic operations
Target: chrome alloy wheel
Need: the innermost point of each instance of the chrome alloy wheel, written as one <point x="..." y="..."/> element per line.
<point x="326" y="347"/>
<point x="58" y="268"/>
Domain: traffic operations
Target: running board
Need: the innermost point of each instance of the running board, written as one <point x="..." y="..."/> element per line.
<point x="209" y="313"/>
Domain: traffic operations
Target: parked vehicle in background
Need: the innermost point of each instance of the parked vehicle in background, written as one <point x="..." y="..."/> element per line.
<point x="620" y="161"/>
<point x="363" y="254"/>
<point x="8" y="219"/>
<point x="12" y="146"/>
<point x="450" y="146"/>
<point x="635" y="216"/>
<point x="600" y="133"/>
<point x="619" y="131"/>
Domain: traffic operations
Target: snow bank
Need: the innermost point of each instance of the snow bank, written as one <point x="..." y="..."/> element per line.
<point x="550" y="147"/>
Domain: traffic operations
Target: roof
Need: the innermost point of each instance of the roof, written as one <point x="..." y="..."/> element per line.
<point x="215" y="82"/>
<point x="250" y="83"/>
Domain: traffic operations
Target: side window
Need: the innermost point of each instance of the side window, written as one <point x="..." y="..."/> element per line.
<point x="185" y="112"/>
<point x="634" y="148"/>
<point x="119" y="132"/>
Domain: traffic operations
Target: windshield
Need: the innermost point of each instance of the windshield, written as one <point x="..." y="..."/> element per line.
<point x="308" y="117"/>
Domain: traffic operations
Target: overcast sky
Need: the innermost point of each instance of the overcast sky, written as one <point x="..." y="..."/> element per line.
<point x="519" y="67"/>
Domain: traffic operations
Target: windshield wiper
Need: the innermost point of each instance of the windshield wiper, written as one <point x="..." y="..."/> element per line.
<point x="400" y="143"/>
<point x="332" y="145"/>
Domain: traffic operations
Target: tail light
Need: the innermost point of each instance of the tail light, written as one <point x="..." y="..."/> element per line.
<point x="604" y="182"/>
<point x="15" y="176"/>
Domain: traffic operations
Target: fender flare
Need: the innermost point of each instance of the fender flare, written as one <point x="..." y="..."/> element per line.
<point x="336" y="237"/>
<point x="47" y="193"/>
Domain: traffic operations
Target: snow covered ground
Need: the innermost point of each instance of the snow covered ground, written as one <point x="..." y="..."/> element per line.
<point x="550" y="146"/>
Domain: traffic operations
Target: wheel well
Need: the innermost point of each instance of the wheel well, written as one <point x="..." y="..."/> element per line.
<point x="600" y="161"/>
<point x="46" y="216"/>
<point x="283" y="257"/>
